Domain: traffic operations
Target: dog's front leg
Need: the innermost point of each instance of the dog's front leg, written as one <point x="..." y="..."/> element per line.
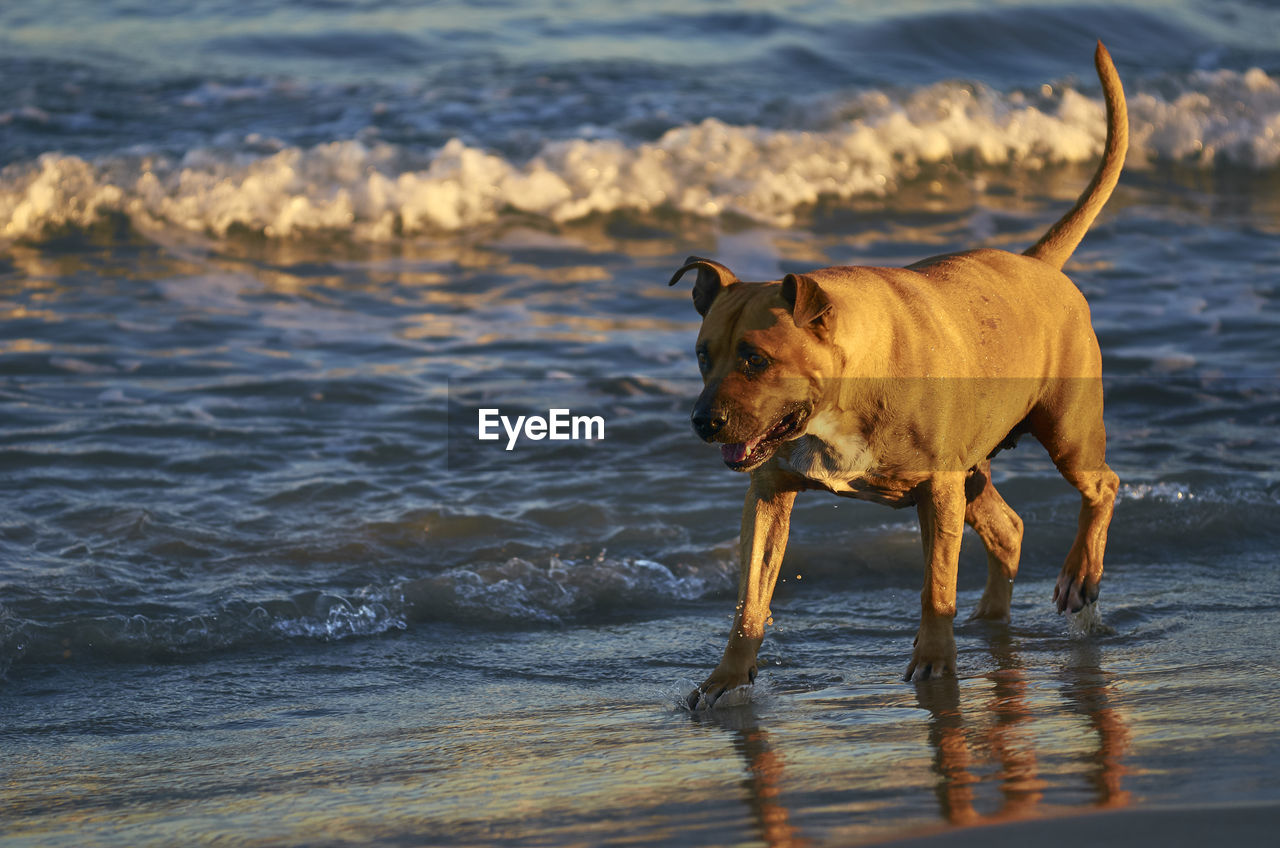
<point x="766" y="518"/>
<point x="940" y="503"/>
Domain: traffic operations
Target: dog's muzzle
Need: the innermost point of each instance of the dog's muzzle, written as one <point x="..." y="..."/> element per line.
<point x="745" y="455"/>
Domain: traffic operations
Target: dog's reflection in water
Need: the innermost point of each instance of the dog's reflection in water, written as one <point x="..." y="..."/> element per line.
<point x="765" y="767"/>
<point x="1005" y="732"/>
<point x="974" y="740"/>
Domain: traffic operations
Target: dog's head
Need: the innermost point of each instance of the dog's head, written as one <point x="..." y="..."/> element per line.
<point x="763" y="353"/>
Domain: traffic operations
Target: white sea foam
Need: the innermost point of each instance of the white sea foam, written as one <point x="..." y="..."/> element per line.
<point x="521" y="592"/>
<point x="706" y="169"/>
<point x="1167" y="492"/>
<point x="1178" y="493"/>
<point x="341" y="620"/>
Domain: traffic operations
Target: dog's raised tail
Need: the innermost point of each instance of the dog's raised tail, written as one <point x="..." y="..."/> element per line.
<point x="1056" y="246"/>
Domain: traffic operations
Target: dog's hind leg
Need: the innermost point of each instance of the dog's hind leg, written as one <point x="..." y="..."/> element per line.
<point x="1000" y="529"/>
<point x="1070" y="427"/>
<point x="766" y="520"/>
<point x="1082" y="572"/>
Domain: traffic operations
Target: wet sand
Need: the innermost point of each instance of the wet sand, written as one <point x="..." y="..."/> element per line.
<point x="1169" y="827"/>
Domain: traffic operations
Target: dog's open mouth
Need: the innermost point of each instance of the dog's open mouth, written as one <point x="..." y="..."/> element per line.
<point x="744" y="456"/>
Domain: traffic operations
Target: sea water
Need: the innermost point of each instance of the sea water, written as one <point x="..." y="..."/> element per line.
<point x="261" y="583"/>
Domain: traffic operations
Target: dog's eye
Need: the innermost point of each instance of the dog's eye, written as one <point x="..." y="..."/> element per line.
<point x="756" y="362"/>
<point x="704" y="361"/>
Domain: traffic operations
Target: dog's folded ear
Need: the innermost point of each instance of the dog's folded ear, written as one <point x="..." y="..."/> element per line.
<point x="712" y="276"/>
<point x="809" y="304"/>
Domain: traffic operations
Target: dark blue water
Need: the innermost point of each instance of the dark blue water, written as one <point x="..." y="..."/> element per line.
<point x="261" y="263"/>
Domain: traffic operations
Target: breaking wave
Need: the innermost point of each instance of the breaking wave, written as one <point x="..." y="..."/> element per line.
<point x="869" y="145"/>
<point x="515" y="593"/>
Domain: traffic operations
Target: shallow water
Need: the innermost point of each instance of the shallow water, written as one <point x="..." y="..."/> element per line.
<point x="259" y="581"/>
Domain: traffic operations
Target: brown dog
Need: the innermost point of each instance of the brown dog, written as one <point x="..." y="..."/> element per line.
<point x="897" y="385"/>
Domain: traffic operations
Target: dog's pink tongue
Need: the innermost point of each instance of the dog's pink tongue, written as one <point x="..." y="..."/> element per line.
<point x="735" y="453"/>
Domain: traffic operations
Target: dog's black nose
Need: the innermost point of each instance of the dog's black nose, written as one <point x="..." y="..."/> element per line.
<point x="706" y="425"/>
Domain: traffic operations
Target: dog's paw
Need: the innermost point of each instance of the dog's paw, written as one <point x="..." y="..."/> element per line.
<point x="991" y="608"/>
<point x="934" y="655"/>
<point x="996" y="600"/>
<point x="1074" y="592"/>
<point x="720" y="683"/>
<point x="929" y="668"/>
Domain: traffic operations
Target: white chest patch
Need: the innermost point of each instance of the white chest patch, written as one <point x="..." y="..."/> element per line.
<point x="831" y="453"/>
